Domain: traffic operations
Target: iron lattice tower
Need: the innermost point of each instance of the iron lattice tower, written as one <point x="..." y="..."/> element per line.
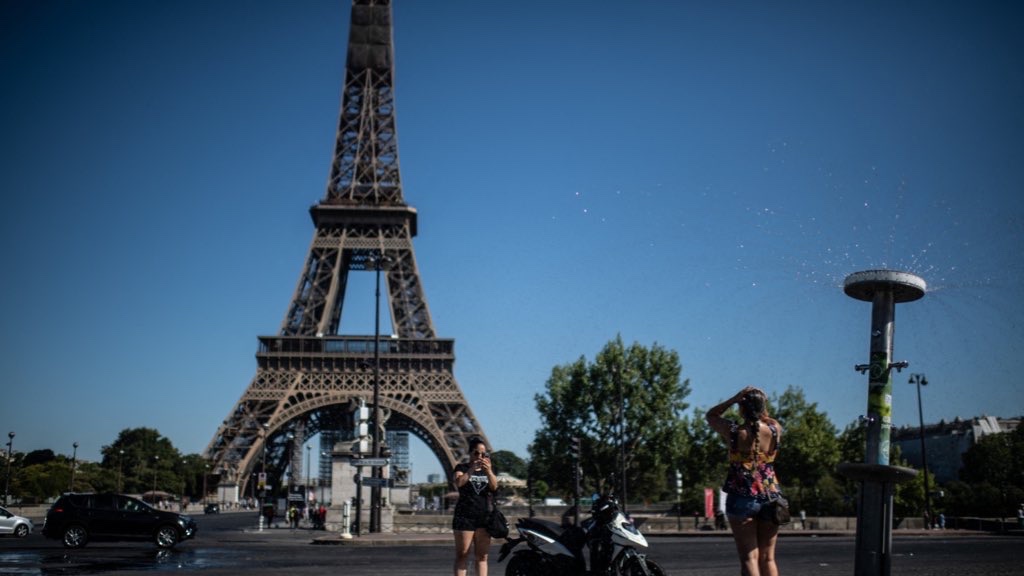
<point x="309" y="375"/>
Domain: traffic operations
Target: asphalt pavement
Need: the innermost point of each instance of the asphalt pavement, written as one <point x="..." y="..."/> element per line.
<point x="230" y="544"/>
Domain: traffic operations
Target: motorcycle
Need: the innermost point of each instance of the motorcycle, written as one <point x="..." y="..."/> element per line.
<point x="615" y="546"/>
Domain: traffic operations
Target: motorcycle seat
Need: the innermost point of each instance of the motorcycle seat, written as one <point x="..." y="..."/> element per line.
<point x="548" y="526"/>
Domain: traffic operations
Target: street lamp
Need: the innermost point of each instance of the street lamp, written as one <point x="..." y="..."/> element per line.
<point x="324" y="455"/>
<point x="264" y="430"/>
<point x="305" y="490"/>
<point x="10" y="451"/>
<point x="622" y="437"/>
<point x="156" y="462"/>
<point x="291" y="473"/>
<point x="378" y="260"/>
<point x="206" y="470"/>
<point x="74" y="462"/>
<point x="120" y="462"/>
<point x="920" y="380"/>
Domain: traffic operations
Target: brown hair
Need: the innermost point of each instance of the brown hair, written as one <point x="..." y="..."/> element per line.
<point x="753" y="407"/>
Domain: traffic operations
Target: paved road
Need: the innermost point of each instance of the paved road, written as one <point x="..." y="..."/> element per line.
<point x="228" y="545"/>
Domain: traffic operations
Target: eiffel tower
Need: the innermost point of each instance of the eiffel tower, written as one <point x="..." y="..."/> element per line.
<point x="309" y="377"/>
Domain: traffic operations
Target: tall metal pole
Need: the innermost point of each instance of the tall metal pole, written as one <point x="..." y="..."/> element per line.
<point x="622" y="439"/>
<point x="10" y="452"/>
<point x="74" y="464"/>
<point x="120" y="466"/>
<point x="305" y="490"/>
<point x="264" y="430"/>
<point x="378" y="262"/>
<point x="884" y="289"/>
<point x="156" y="462"/>
<point x="920" y="380"/>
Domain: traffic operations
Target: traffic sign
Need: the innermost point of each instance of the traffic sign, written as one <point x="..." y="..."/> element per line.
<point x="382" y="482"/>
<point x="371" y="462"/>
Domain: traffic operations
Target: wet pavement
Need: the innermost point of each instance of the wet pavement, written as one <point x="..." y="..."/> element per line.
<point x="227" y="545"/>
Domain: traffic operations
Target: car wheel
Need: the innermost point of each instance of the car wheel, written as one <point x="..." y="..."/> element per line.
<point x="166" y="536"/>
<point x="75" y="536"/>
<point x="21" y="531"/>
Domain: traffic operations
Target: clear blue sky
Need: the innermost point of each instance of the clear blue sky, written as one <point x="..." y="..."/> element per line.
<point x="698" y="174"/>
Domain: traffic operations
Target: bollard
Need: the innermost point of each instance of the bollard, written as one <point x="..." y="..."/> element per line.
<point x="345" y="522"/>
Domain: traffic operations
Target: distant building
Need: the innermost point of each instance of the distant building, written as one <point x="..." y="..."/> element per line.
<point x="946" y="442"/>
<point x="435" y="478"/>
<point x="401" y="469"/>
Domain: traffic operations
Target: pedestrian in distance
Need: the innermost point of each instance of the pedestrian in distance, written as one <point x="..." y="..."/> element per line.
<point x="751" y="482"/>
<point x="476" y="482"/>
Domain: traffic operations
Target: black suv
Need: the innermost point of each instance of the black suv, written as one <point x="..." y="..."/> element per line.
<point x="78" y="518"/>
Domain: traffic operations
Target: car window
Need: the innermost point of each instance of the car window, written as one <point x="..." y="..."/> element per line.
<point x="103" y="502"/>
<point x="131" y="505"/>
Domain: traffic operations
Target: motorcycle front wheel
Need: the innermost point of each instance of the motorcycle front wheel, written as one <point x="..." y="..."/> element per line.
<point x="636" y="567"/>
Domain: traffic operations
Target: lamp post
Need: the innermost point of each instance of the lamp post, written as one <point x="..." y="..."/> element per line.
<point x="920" y="380"/>
<point x="74" y="463"/>
<point x="10" y="452"/>
<point x="378" y="260"/>
<point x="264" y="429"/>
<point x="206" y="470"/>
<point x="120" y="464"/>
<point x="622" y="437"/>
<point x="305" y="489"/>
<point x="324" y="454"/>
<point x="291" y="458"/>
<point x="156" y="462"/>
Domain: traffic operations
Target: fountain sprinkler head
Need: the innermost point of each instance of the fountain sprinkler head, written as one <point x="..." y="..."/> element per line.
<point x="905" y="287"/>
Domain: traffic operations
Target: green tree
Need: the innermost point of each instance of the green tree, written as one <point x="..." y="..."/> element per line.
<point x="809" y="449"/>
<point x="507" y="462"/>
<point x="40" y="482"/>
<point x="629" y="397"/>
<point x="701" y="460"/>
<point x="38" y="457"/>
<point x="703" y="454"/>
<point x="852" y="443"/>
<point x="144" y="459"/>
<point x="996" y="459"/>
<point x="994" y="468"/>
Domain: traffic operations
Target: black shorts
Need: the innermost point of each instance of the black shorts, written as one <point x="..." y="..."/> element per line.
<point x="469" y="523"/>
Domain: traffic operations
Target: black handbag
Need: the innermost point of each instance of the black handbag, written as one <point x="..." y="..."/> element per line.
<point x="497" y="526"/>
<point x="775" y="511"/>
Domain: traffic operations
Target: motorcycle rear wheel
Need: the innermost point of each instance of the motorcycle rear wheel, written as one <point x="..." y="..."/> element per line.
<point x="635" y="568"/>
<point x="521" y="565"/>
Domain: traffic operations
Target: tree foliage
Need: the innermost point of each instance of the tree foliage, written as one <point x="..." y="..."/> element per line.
<point x="629" y="402"/>
<point x="507" y="462"/>
<point x="810" y="450"/>
<point x="138" y="460"/>
<point x="145" y="460"/>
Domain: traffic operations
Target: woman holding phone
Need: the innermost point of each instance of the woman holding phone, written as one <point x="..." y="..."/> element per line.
<point x="476" y="482"/>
